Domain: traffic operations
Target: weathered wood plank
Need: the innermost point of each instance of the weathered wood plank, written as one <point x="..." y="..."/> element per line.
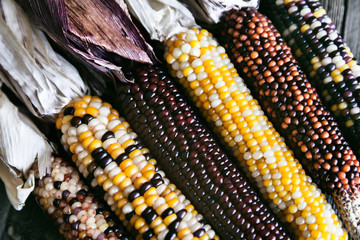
<point x="335" y="10"/>
<point x="351" y="27"/>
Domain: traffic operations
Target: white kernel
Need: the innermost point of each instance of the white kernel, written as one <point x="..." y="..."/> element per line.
<point x="179" y="74"/>
<point x="321" y="34"/>
<point x="99" y="134"/>
<point x="310" y="219"/>
<point x="204" y="43"/>
<point x="270" y="160"/>
<point x="315" y="24"/>
<point x="196" y="63"/>
<point x="257" y="155"/>
<point x="94" y="122"/>
<point x="113" y="124"/>
<point x="293" y="9"/>
<point x="296" y="195"/>
<point x="205" y="57"/>
<point x="201" y="76"/>
<point x="105" y="111"/>
<point x="95" y="104"/>
<point x="176" y="53"/>
<point x="108" y="142"/>
<point x="195" y="52"/>
<point x="220" y="84"/>
<point x="300" y="221"/>
<point x="185" y="48"/>
<point x="215" y="103"/>
<point x="305" y="11"/>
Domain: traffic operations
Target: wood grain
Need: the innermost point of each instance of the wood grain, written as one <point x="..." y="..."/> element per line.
<point x="335" y="9"/>
<point x="351" y="26"/>
<point x="345" y="15"/>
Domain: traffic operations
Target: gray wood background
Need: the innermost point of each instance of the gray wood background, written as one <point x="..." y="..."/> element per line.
<point x="31" y="223"/>
<point x="346" y="16"/>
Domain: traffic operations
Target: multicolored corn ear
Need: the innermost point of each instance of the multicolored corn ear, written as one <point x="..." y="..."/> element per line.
<point x="108" y="155"/>
<point x="211" y="80"/>
<point x="293" y="105"/>
<point x="192" y="159"/>
<point x="72" y="206"/>
<point x="325" y="59"/>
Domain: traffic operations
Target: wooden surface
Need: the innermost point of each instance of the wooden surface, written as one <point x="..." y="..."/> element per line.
<point x="346" y="16"/>
<point x="31" y="223"/>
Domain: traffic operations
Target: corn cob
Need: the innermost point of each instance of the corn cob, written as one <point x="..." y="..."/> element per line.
<point x="77" y="212"/>
<point x="325" y="58"/>
<point x="204" y="69"/>
<point x="189" y="154"/>
<point x="294" y="106"/>
<point x="106" y="150"/>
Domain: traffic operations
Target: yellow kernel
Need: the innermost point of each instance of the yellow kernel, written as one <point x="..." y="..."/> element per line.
<point x="140" y="208"/>
<point x="128" y="143"/>
<point x="87" y="141"/>
<point x="139" y="182"/>
<point x="160" y="228"/>
<point x="107" y="184"/>
<point x="92" y="111"/>
<point x="187" y="71"/>
<point x="80" y="112"/>
<point x="183" y="233"/>
<point x="125" y="164"/>
<point x="80" y="104"/>
<point x="124" y="184"/>
<point x="343" y="67"/>
<point x="151" y="200"/>
<point x="304" y="28"/>
<point x="116" y="152"/>
<point x="293" y="209"/>
<point x="94" y="145"/>
<point x="87" y="160"/>
<point x="86" y="99"/>
<point x="119" y="178"/>
<point x="85" y="135"/>
<point x="140" y="222"/>
<point x="169" y="219"/>
<point x="113" y="147"/>
<point x="184" y="57"/>
<point x="170" y="59"/>
<point x="101" y="179"/>
<point x="73" y="146"/>
<point x="131" y="170"/>
<point x="173" y="202"/>
<point x="59" y="123"/>
<point x="338" y="78"/>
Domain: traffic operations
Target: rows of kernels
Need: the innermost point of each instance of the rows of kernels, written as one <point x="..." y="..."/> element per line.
<point x="325" y="59"/>
<point x="77" y="212"/>
<point x="289" y="99"/>
<point x="114" y="159"/>
<point x="230" y="107"/>
<point x="189" y="154"/>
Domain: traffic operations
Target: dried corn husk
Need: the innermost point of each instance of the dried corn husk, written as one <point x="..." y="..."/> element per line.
<point x="44" y="80"/>
<point x="162" y="18"/>
<point x="210" y="11"/>
<point x="21" y="143"/>
<point x="96" y="32"/>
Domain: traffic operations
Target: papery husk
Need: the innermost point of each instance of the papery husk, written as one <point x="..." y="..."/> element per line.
<point x="210" y="11"/>
<point x="162" y="18"/>
<point x="41" y="78"/>
<point x="96" y="32"/>
<point x="21" y="144"/>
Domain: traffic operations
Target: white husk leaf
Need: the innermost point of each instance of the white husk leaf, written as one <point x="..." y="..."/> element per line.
<point x="21" y="144"/>
<point x="44" y="80"/>
<point x="210" y="11"/>
<point x="162" y="18"/>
